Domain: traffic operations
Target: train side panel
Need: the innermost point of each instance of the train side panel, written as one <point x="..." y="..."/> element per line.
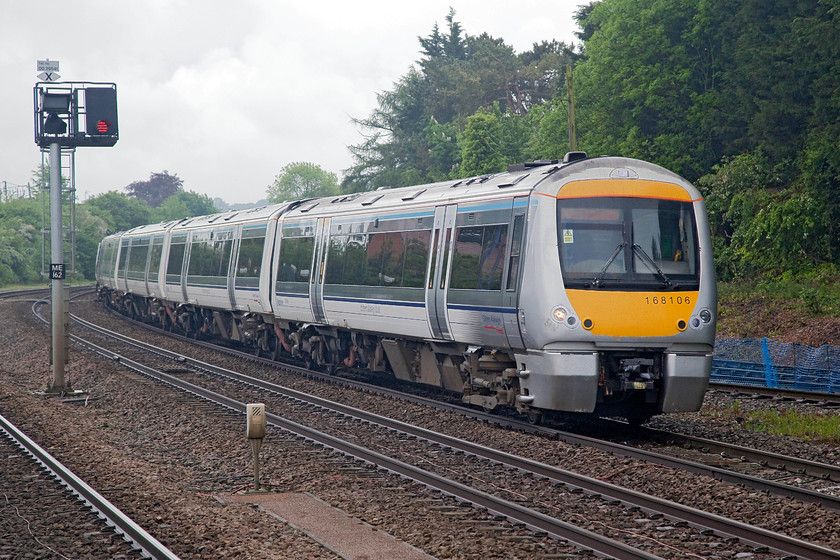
<point x="375" y="272"/>
<point x="208" y="266"/>
<point x="106" y="261"/>
<point x="294" y="257"/>
<point x="477" y="272"/>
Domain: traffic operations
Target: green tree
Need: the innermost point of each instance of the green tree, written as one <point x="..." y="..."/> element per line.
<point x="20" y="254"/>
<point x="453" y="45"/>
<point x="482" y="150"/>
<point x="549" y="125"/>
<point x="119" y="211"/>
<point x="444" y="153"/>
<point x="158" y="188"/>
<point x="637" y="82"/>
<point x="90" y="229"/>
<point x="394" y="152"/>
<point x="184" y="204"/>
<point x="685" y="84"/>
<point x="760" y="226"/>
<point x="301" y="180"/>
<point x="20" y="241"/>
<point x="411" y="137"/>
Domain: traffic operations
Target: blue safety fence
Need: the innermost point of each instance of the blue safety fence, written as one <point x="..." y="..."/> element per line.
<point x="784" y="365"/>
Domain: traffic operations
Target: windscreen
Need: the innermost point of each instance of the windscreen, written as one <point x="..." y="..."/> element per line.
<point x="627" y="243"/>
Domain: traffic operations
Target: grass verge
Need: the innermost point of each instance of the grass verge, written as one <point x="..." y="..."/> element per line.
<point x="816" y="427"/>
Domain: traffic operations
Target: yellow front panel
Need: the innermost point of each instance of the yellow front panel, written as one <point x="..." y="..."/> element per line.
<point x="623" y="187"/>
<point x="633" y="314"/>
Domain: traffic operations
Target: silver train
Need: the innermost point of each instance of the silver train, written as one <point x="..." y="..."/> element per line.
<point x="584" y="285"/>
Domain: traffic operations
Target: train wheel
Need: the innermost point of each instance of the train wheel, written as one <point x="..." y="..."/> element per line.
<point x="535" y="417"/>
<point x="636" y="421"/>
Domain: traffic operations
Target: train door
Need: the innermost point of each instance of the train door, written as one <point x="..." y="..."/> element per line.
<point x="234" y="259"/>
<point x="185" y="266"/>
<point x="148" y="262"/>
<point x="510" y="299"/>
<point x="438" y="265"/>
<point x="154" y="282"/>
<point x="316" y="282"/>
<point x="122" y="268"/>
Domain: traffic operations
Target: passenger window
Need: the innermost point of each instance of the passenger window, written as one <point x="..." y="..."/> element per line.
<point x="123" y="258"/>
<point x="492" y="257"/>
<point x="137" y="259"/>
<point x="336" y="260"/>
<point x="393" y="253"/>
<point x="381" y="259"/>
<point x="373" y="260"/>
<point x="515" y="252"/>
<point x="466" y="258"/>
<point x="354" y="259"/>
<point x="295" y="259"/>
<point x="154" y="261"/>
<point x="250" y="257"/>
<point x="416" y="255"/>
<point x="176" y="258"/>
<point x="478" y="261"/>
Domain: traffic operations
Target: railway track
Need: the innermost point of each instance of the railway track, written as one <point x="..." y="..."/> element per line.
<point x="822" y="400"/>
<point x="712" y="525"/>
<point x="778" y="462"/>
<point x="730" y="463"/>
<point x="514" y="512"/>
<point x="29" y="293"/>
<point x="135" y="535"/>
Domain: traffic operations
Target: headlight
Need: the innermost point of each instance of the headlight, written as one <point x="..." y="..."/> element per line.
<point x="561" y="315"/>
<point x="703" y="318"/>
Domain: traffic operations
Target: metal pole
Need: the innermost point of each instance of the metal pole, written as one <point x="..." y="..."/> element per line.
<point x="572" y="125"/>
<point x="255" y="450"/>
<point x="57" y="263"/>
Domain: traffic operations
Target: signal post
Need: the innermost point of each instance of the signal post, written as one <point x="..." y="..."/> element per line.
<point x="67" y="115"/>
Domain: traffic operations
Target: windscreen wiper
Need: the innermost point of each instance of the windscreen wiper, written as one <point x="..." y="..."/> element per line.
<point x="650" y="262"/>
<point x="596" y="282"/>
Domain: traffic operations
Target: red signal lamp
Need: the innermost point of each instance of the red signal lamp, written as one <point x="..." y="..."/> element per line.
<point x="103" y="126"/>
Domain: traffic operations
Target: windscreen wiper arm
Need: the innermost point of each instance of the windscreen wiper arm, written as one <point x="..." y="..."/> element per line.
<point x="596" y="282"/>
<point x="645" y="257"/>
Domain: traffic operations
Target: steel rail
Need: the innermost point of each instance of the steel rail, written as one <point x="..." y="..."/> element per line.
<point x="131" y="531"/>
<point x="776" y="460"/>
<point x="79" y="290"/>
<point x="698" y="518"/>
<point x="516" y="513"/>
<point x="730" y="477"/>
<point x="815" y="397"/>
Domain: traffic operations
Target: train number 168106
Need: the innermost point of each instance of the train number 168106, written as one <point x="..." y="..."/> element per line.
<point x="667" y="300"/>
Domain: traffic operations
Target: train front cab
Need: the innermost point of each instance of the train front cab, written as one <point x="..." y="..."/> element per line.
<point x="631" y="312"/>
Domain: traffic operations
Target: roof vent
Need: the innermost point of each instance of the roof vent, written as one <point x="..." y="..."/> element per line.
<point x="574" y="156"/>
<point x="513" y="167"/>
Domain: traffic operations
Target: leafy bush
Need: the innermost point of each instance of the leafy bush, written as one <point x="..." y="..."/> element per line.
<point x="760" y="227"/>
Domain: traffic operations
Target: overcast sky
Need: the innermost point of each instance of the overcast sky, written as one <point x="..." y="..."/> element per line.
<point x="224" y="94"/>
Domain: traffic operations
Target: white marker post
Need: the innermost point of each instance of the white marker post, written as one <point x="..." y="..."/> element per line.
<point x="255" y="432"/>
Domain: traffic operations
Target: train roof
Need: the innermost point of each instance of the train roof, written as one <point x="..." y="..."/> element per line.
<point x="230" y="218"/>
<point x="615" y="167"/>
<point x="505" y="184"/>
<point x="520" y="179"/>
